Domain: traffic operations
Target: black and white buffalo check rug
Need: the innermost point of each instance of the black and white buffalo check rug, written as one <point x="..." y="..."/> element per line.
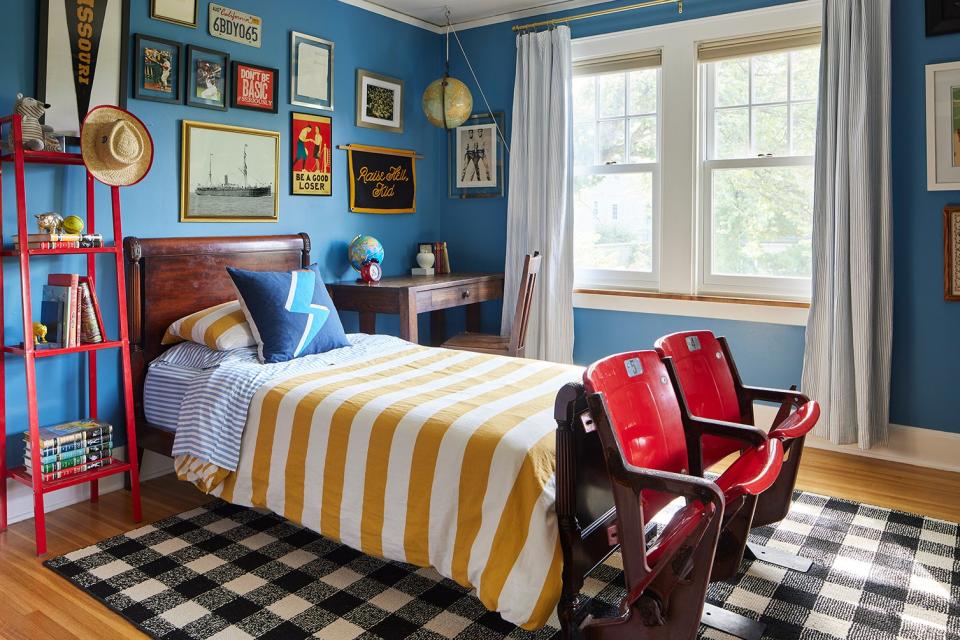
<point x="230" y="573"/>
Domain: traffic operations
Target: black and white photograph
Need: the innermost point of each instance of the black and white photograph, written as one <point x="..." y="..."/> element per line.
<point x="69" y="76"/>
<point x="475" y="157"/>
<point x="228" y="174"/>
<point x="379" y="102"/>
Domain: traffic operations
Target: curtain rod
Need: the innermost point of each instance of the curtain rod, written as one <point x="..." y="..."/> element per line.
<point x="594" y="14"/>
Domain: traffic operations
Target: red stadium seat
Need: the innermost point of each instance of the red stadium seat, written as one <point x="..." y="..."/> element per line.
<point x="712" y="388"/>
<point x="652" y="451"/>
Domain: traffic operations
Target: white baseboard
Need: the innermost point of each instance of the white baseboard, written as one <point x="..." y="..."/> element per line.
<point x="20" y="497"/>
<point x="926" y="448"/>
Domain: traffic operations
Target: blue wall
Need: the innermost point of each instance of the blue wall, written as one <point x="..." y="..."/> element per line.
<point x="925" y="353"/>
<point x="926" y="356"/>
<point x="363" y="40"/>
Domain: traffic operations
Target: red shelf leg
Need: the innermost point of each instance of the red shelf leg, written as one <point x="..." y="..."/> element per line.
<point x="125" y="362"/>
<point x="3" y="392"/>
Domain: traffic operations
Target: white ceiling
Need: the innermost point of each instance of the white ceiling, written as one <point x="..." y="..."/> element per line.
<point x="468" y="13"/>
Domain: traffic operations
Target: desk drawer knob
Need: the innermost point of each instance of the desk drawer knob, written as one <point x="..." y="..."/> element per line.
<point x="465" y="294"/>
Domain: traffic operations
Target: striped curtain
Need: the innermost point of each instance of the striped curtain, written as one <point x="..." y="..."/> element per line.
<point x="848" y="341"/>
<point x="539" y="208"/>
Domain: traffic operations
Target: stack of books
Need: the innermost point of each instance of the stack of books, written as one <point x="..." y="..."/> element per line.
<point x="60" y="241"/>
<point x="442" y="263"/>
<point x="70" y="311"/>
<point x="71" y="448"/>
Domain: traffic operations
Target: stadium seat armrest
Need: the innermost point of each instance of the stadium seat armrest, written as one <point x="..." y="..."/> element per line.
<point x="748" y="434"/>
<point x="765" y="394"/>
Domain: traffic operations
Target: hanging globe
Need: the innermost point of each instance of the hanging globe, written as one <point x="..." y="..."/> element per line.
<point x="459" y="102"/>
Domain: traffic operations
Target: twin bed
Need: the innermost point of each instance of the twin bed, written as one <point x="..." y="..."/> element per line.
<point x="469" y="463"/>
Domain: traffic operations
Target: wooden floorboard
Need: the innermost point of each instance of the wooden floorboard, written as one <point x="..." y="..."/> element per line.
<point x="36" y="604"/>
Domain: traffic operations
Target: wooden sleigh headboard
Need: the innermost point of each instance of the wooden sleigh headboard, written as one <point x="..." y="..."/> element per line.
<point x="168" y="278"/>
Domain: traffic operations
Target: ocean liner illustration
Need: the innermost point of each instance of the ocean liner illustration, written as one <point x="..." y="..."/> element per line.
<point x="227" y="189"/>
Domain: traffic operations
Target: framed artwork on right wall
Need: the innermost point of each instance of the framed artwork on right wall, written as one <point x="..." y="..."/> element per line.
<point x="951" y="252"/>
<point x="943" y="126"/>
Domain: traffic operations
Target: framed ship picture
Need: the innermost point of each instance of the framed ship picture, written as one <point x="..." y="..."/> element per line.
<point x="82" y="59"/>
<point x="254" y="87"/>
<point x="157" y="69"/>
<point x="311" y="71"/>
<point x="228" y="174"/>
<point x="311" y="161"/>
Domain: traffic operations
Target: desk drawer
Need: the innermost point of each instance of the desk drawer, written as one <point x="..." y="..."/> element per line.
<point x="458" y="295"/>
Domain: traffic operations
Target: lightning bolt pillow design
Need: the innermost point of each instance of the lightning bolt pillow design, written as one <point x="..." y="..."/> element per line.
<point x="290" y="313"/>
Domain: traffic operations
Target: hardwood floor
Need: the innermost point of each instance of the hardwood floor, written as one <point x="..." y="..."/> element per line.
<point x="36" y="604"/>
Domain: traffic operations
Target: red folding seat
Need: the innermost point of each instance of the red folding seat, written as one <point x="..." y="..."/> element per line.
<point x="652" y="450"/>
<point x="712" y="388"/>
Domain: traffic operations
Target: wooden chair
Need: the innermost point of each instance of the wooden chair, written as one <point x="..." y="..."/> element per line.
<point x="516" y="343"/>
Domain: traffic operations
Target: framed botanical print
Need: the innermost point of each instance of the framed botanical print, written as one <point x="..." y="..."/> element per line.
<point x="311" y="71"/>
<point x="181" y="12"/>
<point x="254" y="87"/>
<point x="475" y="158"/>
<point x="82" y="59"/>
<point x="951" y="252"/>
<point x="156" y="73"/>
<point x="942" y="17"/>
<point x="207" y="78"/>
<point x="311" y="159"/>
<point x="228" y="174"/>
<point x="379" y="102"/>
<point x="943" y="126"/>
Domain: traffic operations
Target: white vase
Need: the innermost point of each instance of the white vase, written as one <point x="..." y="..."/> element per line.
<point x="425" y="260"/>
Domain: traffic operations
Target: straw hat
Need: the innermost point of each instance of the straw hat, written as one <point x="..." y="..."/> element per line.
<point x="116" y="147"/>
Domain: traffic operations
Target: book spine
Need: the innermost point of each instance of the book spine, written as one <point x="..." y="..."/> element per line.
<point x="96" y="307"/>
<point x="89" y="324"/>
<point x="66" y="473"/>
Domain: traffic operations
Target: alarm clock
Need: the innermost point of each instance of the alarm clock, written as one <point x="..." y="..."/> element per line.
<point x="371" y="272"/>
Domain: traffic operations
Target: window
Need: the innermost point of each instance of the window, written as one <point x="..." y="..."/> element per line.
<point x="616" y="140"/>
<point x="756" y="198"/>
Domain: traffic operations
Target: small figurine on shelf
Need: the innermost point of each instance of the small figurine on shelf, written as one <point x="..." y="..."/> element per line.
<point x="36" y="137"/>
<point x="39" y="333"/>
<point x="49" y="222"/>
<point x="72" y="225"/>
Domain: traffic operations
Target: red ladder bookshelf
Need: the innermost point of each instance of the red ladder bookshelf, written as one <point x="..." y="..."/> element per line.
<point x="19" y="158"/>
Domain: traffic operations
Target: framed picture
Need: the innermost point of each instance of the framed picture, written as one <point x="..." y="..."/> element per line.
<point x="69" y="76"/>
<point x="476" y="158"/>
<point x="379" y="102"/>
<point x="943" y="126"/>
<point x="942" y="17"/>
<point x="156" y="73"/>
<point x="951" y="252"/>
<point x="311" y="71"/>
<point x="228" y="174"/>
<point x="206" y="81"/>
<point x="311" y="159"/>
<point x="182" y="12"/>
<point x="254" y="87"/>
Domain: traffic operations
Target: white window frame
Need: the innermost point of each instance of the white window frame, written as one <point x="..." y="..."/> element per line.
<point x="680" y="126"/>
<point x="783" y="287"/>
<point x="620" y="278"/>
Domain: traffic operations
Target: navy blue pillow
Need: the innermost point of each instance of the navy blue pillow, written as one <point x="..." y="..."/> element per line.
<point x="290" y="313"/>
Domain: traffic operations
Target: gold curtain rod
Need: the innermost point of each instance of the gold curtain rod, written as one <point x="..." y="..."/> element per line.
<point x="594" y="14"/>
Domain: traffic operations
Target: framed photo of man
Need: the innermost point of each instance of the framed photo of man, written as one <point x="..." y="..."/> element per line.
<point x="82" y="59"/>
<point x="156" y="74"/>
<point x="476" y="153"/>
<point x="207" y="82"/>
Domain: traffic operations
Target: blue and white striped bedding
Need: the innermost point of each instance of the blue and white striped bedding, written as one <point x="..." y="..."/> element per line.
<point x="215" y="401"/>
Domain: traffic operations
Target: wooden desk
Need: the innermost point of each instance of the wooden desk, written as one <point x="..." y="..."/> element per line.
<point x="409" y="296"/>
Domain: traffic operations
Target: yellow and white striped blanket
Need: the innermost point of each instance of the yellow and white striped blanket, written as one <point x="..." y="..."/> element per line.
<point x="433" y="457"/>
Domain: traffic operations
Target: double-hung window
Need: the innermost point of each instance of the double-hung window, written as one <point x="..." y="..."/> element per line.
<point x="616" y="141"/>
<point x="759" y="111"/>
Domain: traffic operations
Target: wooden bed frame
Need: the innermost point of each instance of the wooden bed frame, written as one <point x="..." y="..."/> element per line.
<point x="168" y="278"/>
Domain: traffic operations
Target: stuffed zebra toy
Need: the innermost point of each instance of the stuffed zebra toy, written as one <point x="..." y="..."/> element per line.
<point x="36" y="137"/>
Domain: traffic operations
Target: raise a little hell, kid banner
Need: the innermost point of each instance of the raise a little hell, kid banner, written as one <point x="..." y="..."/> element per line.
<point x="382" y="180"/>
<point x="235" y="26"/>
